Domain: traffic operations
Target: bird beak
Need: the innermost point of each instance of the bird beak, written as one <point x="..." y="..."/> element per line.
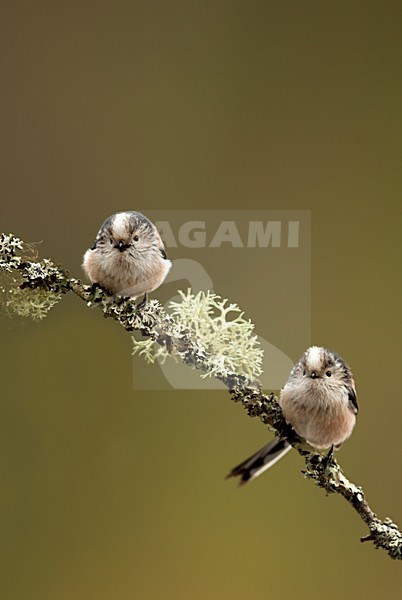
<point x="313" y="374"/>
<point x="122" y="246"/>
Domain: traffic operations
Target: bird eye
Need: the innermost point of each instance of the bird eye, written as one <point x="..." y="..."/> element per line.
<point x="328" y="373"/>
<point x="136" y="238"/>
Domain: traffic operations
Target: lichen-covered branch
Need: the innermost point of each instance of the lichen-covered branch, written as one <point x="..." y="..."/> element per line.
<point x="196" y="330"/>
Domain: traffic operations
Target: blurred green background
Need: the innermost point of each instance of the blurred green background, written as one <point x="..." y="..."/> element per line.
<point x="111" y="493"/>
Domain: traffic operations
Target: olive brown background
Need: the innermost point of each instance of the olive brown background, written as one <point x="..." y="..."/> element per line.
<point x="111" y="493"/>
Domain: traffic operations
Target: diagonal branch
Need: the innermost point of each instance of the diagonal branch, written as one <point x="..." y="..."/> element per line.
<point x="154" y="323"/>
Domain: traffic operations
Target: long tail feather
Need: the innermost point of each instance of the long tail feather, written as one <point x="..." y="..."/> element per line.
<point x="259" y="462"/>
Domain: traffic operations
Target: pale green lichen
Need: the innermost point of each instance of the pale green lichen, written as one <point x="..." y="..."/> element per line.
<point x="216" y="330"/>
<point x="149" y="351"/>
<point x="222" y="333"/>
<point x="10" y="249"/>
<point x="385" y="534"/>
<point x="28" y="289"/>
<point x="45" y="274"/>
<point x="32" y="303"/>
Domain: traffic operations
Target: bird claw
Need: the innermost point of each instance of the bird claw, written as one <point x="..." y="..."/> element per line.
<point x="328" y="458"/>
<point x="143" y="302"/>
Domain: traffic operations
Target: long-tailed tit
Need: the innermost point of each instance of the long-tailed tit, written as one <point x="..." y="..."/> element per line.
<point x="319" y="401"/>
<point x="128" y="257"/>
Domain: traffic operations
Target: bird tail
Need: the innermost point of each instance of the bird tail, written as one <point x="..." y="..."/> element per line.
<point x="259" y="462"/>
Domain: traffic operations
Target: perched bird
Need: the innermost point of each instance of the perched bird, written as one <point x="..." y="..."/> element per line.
<point x="128" y="257"/>
<point x="319" y="401"/>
